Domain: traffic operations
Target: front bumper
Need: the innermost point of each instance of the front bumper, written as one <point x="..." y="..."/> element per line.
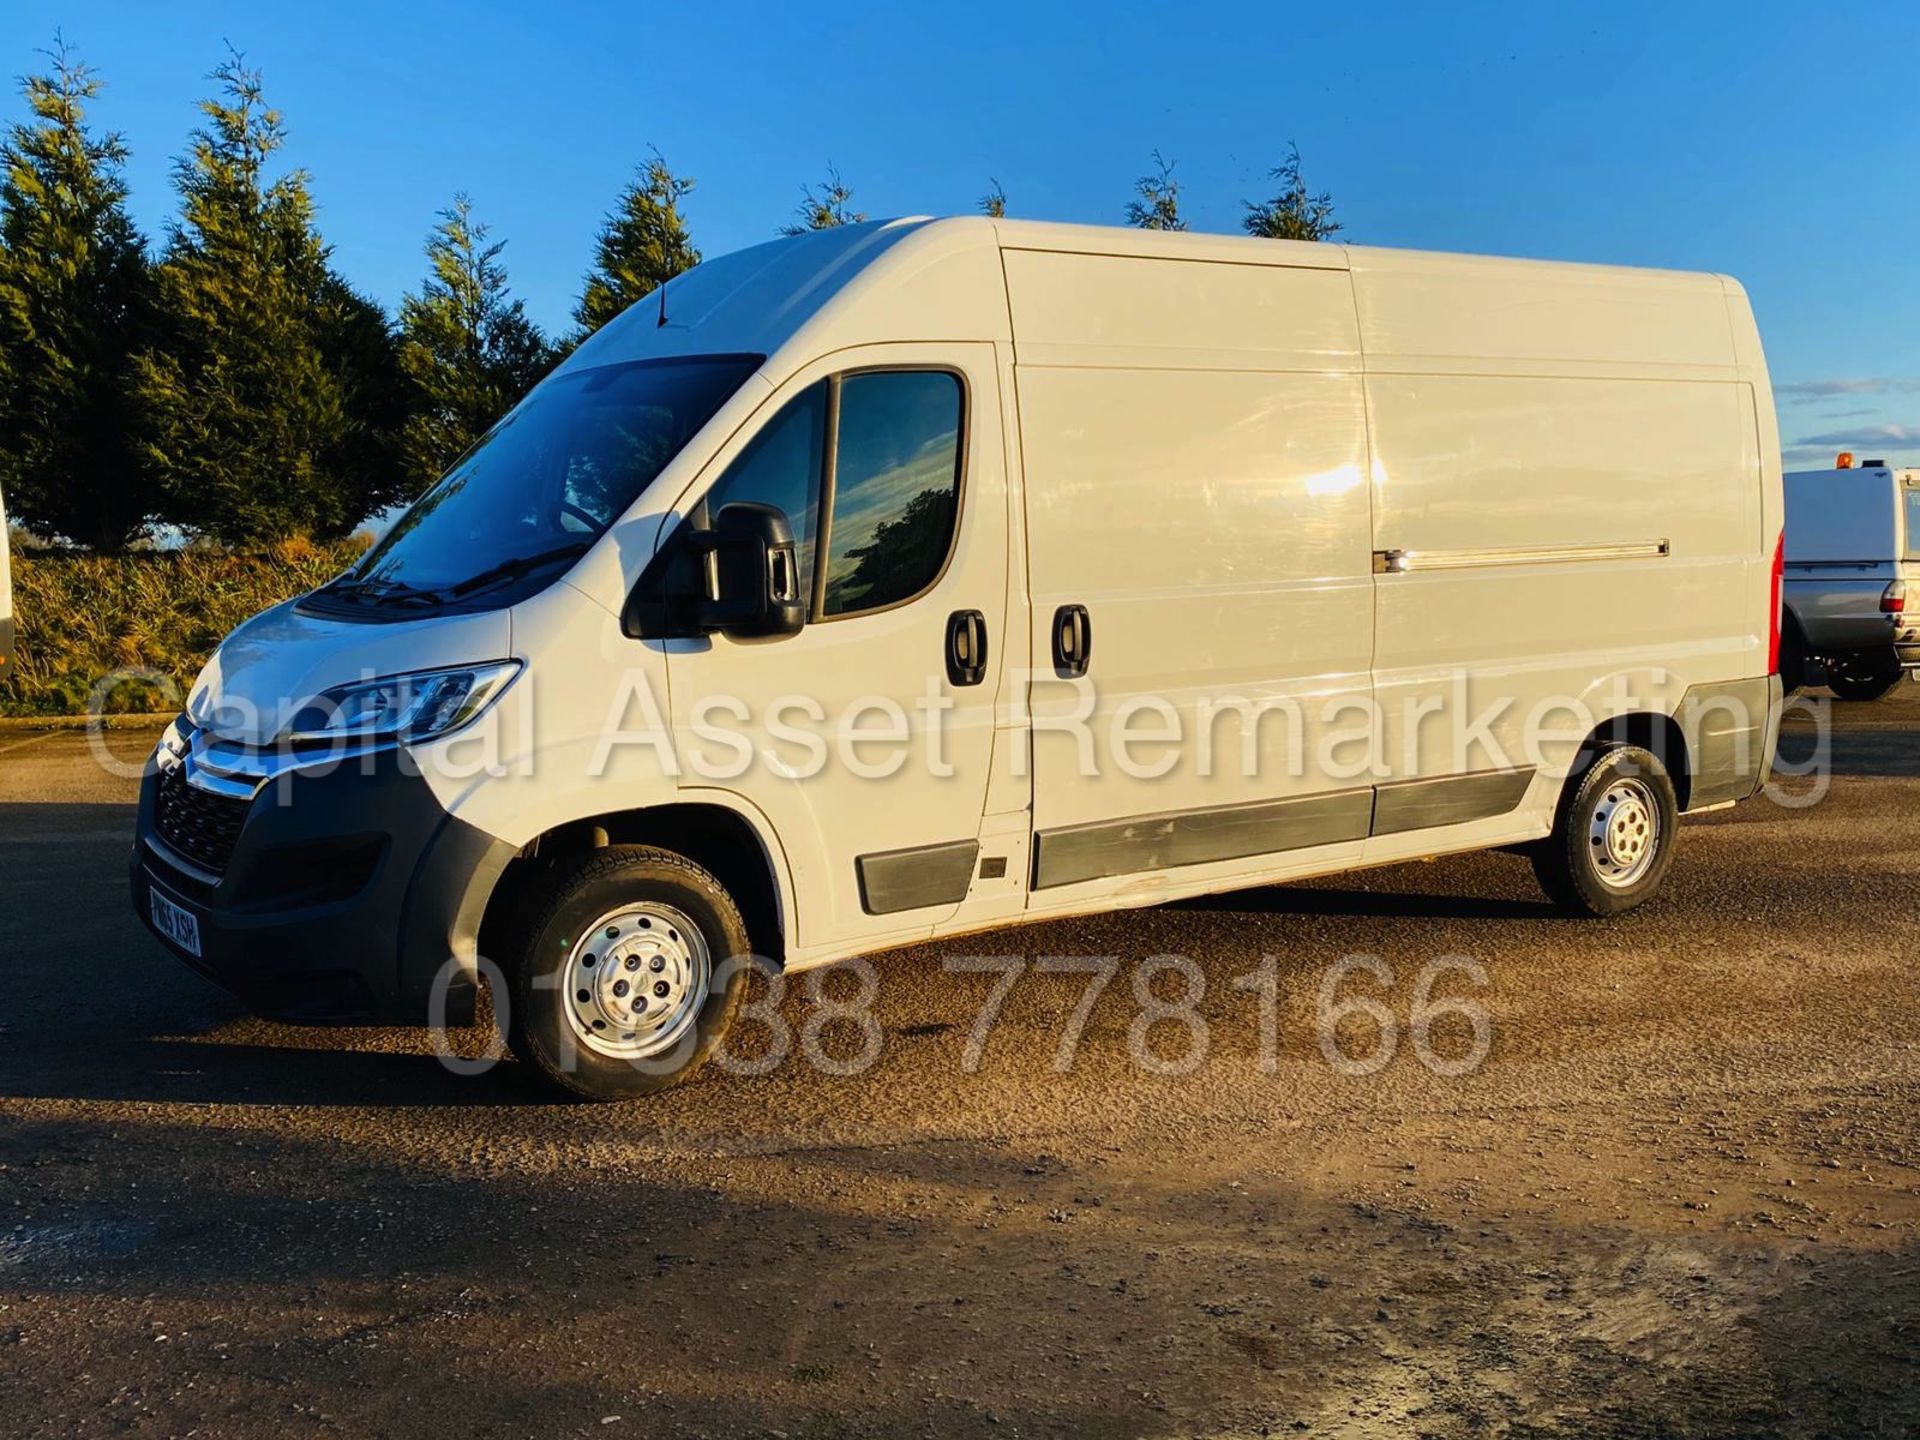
<point x="348" y="894"/>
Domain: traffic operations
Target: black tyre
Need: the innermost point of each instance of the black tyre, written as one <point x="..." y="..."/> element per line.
<point x="1613" y="836"/>
<point x="1863" y="675"/>
<point x="621" y="981"/>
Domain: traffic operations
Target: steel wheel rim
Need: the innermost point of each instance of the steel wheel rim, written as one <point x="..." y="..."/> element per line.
<point x="1623" y="837"/>
<point x="635" y="981"/>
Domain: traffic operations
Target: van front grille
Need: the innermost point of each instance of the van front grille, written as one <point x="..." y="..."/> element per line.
<point x="197" y="825"/>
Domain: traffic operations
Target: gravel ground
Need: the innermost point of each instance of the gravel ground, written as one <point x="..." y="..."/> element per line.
<point x="1678" y="1196"/>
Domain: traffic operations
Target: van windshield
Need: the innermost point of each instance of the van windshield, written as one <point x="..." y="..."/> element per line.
<point x="541" y="486"/>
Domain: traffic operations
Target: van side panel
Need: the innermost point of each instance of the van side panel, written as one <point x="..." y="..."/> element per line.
<point x="1117" y="311"/>
<point x="1471" y="312"/>
<point x="1569" y="495"/>
<point x="1641" y="478"/>
<point x="1194" y="452"/>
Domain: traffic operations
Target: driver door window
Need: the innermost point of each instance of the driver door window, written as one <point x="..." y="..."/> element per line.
<point x="885" y="446"/>
<point x="782" y="466"/>
<point x="896" y="488"/>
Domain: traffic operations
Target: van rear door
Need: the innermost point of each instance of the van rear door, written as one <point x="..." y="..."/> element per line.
<point x="1194" y="461"/>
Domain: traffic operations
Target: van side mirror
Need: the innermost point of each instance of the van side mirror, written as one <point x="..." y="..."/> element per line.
<point x="748" y="573"/>
<point x="740" y="575"/>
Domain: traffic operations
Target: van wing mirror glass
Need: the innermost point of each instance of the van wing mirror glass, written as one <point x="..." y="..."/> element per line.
<point x="747" y="573"/>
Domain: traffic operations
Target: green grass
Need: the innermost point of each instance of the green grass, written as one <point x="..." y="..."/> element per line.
<point x="79" y="618"/>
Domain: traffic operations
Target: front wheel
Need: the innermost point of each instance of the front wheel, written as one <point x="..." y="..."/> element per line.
<point x="1613" y="835"/>
<point x="1864" y="675"/>
<point x="628" y="970"/>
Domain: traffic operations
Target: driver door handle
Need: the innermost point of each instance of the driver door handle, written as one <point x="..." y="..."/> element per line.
<point x="966" y="647"/>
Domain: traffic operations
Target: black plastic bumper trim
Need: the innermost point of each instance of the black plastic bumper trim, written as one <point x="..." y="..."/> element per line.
<point x="916" y="878"/>
<point x="398" y="894"/>
<point x="1096" y="851"/>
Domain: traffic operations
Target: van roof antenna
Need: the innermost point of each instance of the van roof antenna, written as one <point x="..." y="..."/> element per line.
<point x="663" y="306"/>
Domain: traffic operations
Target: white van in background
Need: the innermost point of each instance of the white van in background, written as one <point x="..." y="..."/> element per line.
<point x="914" y="578"/>
<point x="1853" y="544"/>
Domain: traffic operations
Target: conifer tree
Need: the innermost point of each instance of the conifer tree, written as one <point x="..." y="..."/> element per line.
<point x="367" y="464"/>
<point x="642" y="245"/>
<point x="1293" y="214"/>
<point x="466" y="346"/>
<point x="1157" y="206"/>
<point x="74" y="302"/>
<point x="826" y="207"/>
<point x="246" y="418"/>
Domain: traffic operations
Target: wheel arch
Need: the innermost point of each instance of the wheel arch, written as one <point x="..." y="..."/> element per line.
<point x="731" y="841"/>
<point x="1659" y="734"/>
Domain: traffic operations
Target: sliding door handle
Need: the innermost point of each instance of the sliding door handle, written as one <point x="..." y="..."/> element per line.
<point x="1072" y="641"/>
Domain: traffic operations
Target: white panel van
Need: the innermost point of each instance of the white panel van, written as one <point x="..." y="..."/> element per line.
<point x="1853" y="546"/>
<point x="913" y="578"/>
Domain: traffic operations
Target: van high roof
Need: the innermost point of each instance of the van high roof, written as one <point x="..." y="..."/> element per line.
<point x="926" y="276"/>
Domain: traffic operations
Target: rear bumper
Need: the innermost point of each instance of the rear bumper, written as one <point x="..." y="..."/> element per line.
<point x="349" y="897"/>
<point x="1906" y="643"/>
<point x="1844" y="637"/>
<point x="1841" y="616"/>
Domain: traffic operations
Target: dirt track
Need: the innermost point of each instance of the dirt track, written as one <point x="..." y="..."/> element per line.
<point x="1680" y="1196"/>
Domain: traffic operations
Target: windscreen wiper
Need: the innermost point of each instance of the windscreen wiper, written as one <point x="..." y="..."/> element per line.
<point x="513" y="569"/>
<point x="381" y="592"/>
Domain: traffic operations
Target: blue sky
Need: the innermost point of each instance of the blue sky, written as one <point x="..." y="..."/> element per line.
<point x="1771" y="140"/>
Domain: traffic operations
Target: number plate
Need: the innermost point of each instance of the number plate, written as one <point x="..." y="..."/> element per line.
<point x="180" y="926"/>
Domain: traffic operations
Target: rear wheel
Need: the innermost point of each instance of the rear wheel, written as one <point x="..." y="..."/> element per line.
<point x="621" y="983"/>
<point x="1613" y="836"/>
<point x="1864" y="675"/>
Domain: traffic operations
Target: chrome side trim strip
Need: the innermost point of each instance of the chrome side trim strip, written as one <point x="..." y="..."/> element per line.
<point x="1401" y="562"/>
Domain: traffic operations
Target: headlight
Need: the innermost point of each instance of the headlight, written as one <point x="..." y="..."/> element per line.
<point x="401" y="707"/>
